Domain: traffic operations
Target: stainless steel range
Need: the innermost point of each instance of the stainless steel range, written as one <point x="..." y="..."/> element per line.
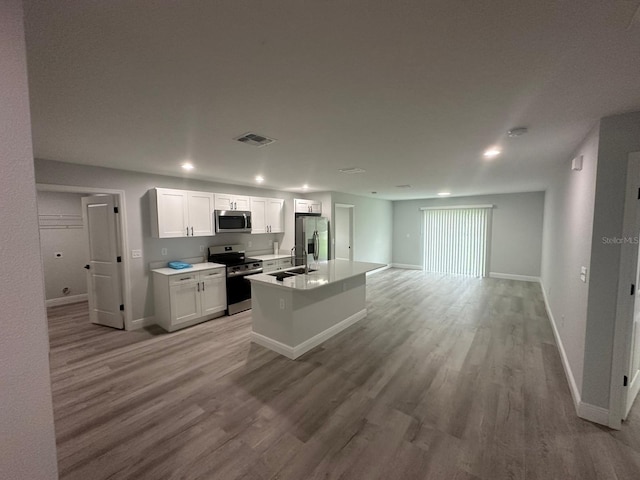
<point x="239" y="267"/>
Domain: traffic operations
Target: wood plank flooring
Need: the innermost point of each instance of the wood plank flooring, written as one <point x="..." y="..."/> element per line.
<point x="446" y="378"/>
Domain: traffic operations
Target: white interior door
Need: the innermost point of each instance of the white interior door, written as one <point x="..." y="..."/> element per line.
<point x="632" y="363"/>
<point x="104" y="286"/>
<point x="344" y="232"/>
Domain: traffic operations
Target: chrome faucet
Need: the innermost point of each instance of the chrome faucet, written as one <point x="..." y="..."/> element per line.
<point x="294" y="257"/>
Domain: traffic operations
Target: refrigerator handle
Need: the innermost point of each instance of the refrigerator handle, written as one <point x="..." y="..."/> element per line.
<point x="316" y="245"/>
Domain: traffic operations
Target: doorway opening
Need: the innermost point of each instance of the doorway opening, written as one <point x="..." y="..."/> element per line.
<point x="105" y="284"/>
<point x="344" y="234"/>
<point x="456" y="240"/>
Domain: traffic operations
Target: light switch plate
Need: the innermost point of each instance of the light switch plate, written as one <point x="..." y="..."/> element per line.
<point x="136" y="253"/>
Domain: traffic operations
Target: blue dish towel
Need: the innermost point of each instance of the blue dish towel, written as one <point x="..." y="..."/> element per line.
<point x="179" y="265"/>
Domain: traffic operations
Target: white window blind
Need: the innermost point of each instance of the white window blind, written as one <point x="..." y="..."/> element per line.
<point x="456" y="240"/>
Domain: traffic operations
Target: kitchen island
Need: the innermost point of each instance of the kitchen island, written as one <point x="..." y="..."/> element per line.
<point x="294" y="314"/>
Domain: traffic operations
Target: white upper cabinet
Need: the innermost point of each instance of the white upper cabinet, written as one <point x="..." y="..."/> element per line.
<point x="180" y="213"/>
<point x="267" y="215"/>
<point x="302" y="205"/>
<point x="224" y="201"/>
<point x="258" y="215"/>
<point x="275" y="215"/>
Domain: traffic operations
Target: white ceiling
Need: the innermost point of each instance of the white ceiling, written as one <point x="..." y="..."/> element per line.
<point x="411" y="91"/>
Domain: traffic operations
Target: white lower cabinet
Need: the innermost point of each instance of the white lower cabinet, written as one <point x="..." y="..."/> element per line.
<point x="276" y="264"/>
<point x="184" y="299"/>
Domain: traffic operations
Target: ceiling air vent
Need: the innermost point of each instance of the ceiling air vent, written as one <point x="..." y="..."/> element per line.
<point x="351" y="170"/>
<point x="255" y="139"/>
<point x="403" y="186"/>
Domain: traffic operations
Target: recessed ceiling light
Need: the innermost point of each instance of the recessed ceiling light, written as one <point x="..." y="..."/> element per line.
<point x="444" y="194"/>
<point x="259" y="179"/>
<point x="187" y="166"/>
<point x="351" y="170"/>
<point x="492" y="152"/>
<point x="305" y="186"/>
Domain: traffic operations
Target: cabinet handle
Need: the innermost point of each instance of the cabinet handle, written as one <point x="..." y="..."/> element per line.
<point x="198" y="286"/>
<point x="186" y="278"/>
<point x="187" y="231"/>
<point x="192" y="231"/>
<point x="203" y="286"/>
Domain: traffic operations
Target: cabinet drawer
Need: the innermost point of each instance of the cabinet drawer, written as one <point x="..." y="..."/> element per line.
<point x="183" y="278"/>
<point x="218" y="272"/>
<point x="284" y="262"/>
<point x="269" y="266"/>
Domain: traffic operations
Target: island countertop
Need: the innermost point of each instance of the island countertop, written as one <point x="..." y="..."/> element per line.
<point x="328" y="272"/>
<point x="197" y="267"/>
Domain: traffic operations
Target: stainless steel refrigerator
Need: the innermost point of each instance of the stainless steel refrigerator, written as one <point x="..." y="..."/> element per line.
<point x="312" y="239"/>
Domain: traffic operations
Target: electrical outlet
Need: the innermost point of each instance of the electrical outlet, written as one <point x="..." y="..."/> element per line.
<point x="164" y="251"/>
<point x="201" y="248"/>
<point x="58" y="255"/>
<point x="250" y="244"/>
<point x="136" y="253"/>
<point x="282" y="304"/>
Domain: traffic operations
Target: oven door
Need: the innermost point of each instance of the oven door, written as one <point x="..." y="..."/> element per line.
<point x="239" y="292"/>
<point x="232" y="221"/>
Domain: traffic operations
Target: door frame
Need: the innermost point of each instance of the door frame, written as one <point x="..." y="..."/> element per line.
<point x="122" y="238"/>
<point x="623" y="324"/>
<point x="352" y="218"/>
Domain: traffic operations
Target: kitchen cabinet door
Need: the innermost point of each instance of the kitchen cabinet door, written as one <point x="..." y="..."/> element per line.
<point x="316" y="207"/>
<point x="169" y="213"/>
<point x="225" y="201"/>
<point x="275" y="215"/>
<point x="213" y="297"/>
<point x="242" y="203"/>
<point x="258" y="215"/>
<point x="185" y="302"/>
<point x="200" y="214"/>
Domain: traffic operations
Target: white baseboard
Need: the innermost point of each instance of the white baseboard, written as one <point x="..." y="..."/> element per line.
<point x="584" y="410"/>
<point x="573" y="387"/>
<point x="406" y="266"/>
<point x="593" y="413"/>
<point x="304" y="347"/>
<point x="142" y="322"/>
<point x="54" y="302"/>
<point x="511" y="276"/>
<point x="387" y="267"/>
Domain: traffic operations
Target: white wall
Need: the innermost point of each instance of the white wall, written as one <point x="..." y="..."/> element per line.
<point x="136" y="186"/>
<point x="66" y="271"/>
<point x="27" y="445"/>
<point x="516" y="233"/>
<point x="568" y="226"/>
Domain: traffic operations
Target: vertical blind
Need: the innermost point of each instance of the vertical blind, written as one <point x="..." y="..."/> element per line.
<point x="456" y="240"/>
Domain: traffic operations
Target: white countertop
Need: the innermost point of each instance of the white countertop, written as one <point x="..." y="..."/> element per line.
<point x="266" y="258"/>
<point x="331" y="271"/>
<point x="197" y="267"/>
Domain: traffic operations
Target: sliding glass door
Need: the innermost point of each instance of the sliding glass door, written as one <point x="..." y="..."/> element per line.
<point x="456" y="240"/>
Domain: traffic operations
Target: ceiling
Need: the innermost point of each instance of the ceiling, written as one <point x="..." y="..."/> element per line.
<point x="410" y="91"/>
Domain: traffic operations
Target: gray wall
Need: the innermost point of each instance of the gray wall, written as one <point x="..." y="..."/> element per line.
<point x="27" y="448"/>
<point x="136" y="186"/>
<point x="372" y="227"/>
<point x="516" y="233"/>
<point x="619" y="136"/>
<point x="67" y="271"/>
<point x="568" y="225"/>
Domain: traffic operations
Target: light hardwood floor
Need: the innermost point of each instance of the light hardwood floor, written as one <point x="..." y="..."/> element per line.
<point x="446" y="378"/>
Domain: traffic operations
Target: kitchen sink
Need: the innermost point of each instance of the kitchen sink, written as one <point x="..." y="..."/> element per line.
<point x="282" y="275"/>
<point x="300" y="270"/>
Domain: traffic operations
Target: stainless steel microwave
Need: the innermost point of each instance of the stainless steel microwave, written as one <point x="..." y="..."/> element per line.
<point x="232" y="221"/>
